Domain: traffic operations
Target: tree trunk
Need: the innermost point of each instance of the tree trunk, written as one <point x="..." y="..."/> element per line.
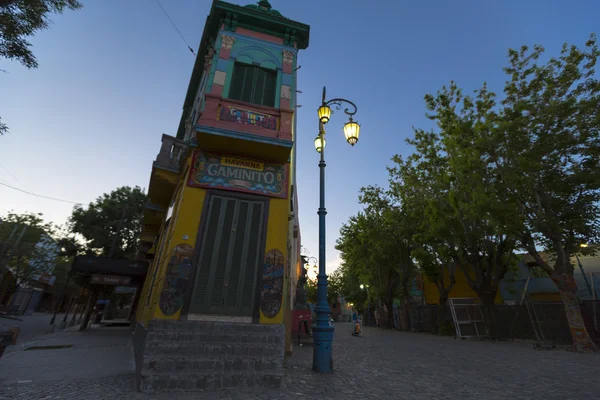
<point x="487" y="296"/>
<point x="405" y="313"/>
<point x="390" y="313"/>
<point x="89" y="309"/>
<point x="582" y="342"/>
<point x="441" y="313"/>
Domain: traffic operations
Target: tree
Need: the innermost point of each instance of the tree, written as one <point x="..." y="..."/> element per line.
<point x="334" y="286"/>
<point x="21" y="19"/>
<point x="425" y="198"/>
<point x="350" y="287"/>
<point x="112" y="224"/>
<point x="522" y="173"/>
<point x="464" y="213"/>
<point x="311" y="290"/>
<point x="376" y="245"/>
<point x="27" y="249"/>
<point x="547" y="148"/>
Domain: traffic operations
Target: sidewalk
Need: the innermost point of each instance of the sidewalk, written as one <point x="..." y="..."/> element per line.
<point x="32" y="327"/>
<point x="70" y="354"/>
<point x="379" y="364"/>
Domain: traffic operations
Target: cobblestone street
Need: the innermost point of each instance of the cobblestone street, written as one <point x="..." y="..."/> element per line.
<point x="378" y="365"/>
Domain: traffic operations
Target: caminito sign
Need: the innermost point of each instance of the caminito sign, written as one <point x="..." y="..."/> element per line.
<point x="219" y="171"/>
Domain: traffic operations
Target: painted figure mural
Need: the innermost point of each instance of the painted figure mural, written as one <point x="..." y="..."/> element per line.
<point x="175" y="284"/>
<point x="272" y="283"/>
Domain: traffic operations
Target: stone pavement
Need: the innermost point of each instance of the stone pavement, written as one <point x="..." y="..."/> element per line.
<point x="94" y="354"/>
<point x="32" y="326"/>
<point x="378" y="365"/>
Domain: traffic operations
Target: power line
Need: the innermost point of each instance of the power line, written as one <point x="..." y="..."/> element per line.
<point x="11" y="175"/>
<point x="14" y="177"/>
<point x="175" y="26"/>
<point x="38" y="195"/>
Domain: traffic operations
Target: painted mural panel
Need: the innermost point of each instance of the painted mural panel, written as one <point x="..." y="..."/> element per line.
<point x="220" y="171"/>
<point x="271" y="294"/>
<point x="247" y="117"/>
<point x="176" y="281"/>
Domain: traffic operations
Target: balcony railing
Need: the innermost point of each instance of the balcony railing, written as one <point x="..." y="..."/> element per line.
<point x="172" y="153"/>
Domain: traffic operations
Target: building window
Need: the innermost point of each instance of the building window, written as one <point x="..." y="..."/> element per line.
<point x="253" y="84"/>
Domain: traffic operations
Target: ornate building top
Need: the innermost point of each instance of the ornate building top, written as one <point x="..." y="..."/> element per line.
<point x="264" y="6"/>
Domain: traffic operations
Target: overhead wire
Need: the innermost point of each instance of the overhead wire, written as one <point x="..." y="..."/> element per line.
<point x="175" y="26"/>
<point x="8" y="172"/>
<point x="39" y="195"/>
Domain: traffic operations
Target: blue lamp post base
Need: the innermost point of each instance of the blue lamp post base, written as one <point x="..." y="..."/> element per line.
<point x="322" y="352"/>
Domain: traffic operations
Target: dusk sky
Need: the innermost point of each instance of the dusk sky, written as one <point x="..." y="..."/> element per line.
<point x="112" y="78"/>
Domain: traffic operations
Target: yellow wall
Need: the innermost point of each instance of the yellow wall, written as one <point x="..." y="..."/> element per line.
<point x="461" y="288"/>
<point x="188" y="205"/>
<point x="187" y="209"/>
<point x="185" y="221"/>
<point x="277" y="234"/>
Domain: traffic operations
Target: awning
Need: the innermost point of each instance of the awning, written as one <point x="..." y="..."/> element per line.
<point x="88" y="265"/>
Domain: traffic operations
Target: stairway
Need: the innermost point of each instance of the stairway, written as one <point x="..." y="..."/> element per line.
<point x="203" y="355"/>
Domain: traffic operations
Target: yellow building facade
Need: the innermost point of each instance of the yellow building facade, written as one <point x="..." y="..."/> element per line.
<point x="221" y="226"/>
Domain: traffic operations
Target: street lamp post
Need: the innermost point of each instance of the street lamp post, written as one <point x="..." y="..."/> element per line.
<point x="368" y="304"/>
<point x="322" y="330"/>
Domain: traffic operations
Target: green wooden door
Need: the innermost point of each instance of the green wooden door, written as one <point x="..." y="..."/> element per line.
<point x="230" y="255"/>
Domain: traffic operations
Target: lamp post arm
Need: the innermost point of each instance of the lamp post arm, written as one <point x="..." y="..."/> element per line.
<point x="338" y="105"/>
<point x="338" y="102"/>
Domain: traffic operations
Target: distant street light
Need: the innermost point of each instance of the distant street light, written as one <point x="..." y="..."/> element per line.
<point x="362" y="287"/>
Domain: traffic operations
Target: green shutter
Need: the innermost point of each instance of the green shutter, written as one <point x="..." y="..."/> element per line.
<point x="212" y="229"/>
<point x="216" y="288"/>
<point x="230" y="258"/>
<point x="254" y="257"/>
<point x="236" y="272"/>
<point x="237" y="81"/>
<point x="259" y="87"/>
<point x="270" y="89"/>
<point x="253" y="84"/>
<point x="248" y="84"/>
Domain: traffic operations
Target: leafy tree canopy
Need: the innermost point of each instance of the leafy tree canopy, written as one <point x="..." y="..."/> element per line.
<point x="27" y="248"/>
<point x="19" y="21"/>
<point x="112" y="222"/>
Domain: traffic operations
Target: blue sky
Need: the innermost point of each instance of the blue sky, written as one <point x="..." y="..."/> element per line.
<point x="113" y="76"/>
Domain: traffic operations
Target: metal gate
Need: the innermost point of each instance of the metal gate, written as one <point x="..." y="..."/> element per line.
<point x="230" y="253"/>
<point x="549" y="322"/>
<point x="468" y="318"/>
<point x="422" y="318"/>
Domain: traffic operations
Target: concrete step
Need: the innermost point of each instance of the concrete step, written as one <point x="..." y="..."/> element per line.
<point x="212" y="349"/>
<point x="179" y="364"/>
<point x="197" y="382"/>
<point x="200" y="355"/>
<point x="166" y="326"/>
<point x="215" y="337"/>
